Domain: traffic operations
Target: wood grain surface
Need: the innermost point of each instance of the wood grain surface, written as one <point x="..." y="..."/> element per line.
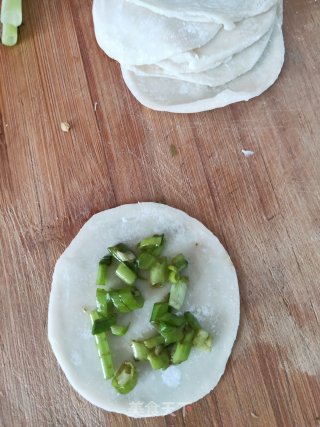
<point x="264" y="208"/>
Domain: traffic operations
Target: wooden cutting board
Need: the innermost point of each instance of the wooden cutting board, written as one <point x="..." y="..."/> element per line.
<point x="264" y="208"/>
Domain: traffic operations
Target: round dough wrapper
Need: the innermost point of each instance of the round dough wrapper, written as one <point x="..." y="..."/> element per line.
<point x="213" y="296"/>
<point x="223" y="46"/>
<point x="179" y="96"/>
<point x="225" y="12"/>
<point x="239" y="64"/>
<point x="134" y="35"/>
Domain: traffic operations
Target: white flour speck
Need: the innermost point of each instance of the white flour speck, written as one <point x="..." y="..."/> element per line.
<point x="247" y="153"/>
<point x="171" y="376"/>
<point x="76" y="358"/>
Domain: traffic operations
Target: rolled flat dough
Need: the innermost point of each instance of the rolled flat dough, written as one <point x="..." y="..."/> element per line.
<point x="178" y="96"/>
<point x="213" y="297"/>
<point x="225" y="12"/>
<point x="135" y="35"/>
<point x="239" y="64"/>
<point x="223" y="46"/>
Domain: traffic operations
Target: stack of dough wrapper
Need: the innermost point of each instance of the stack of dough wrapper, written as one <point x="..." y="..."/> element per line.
<point x="188" y="56"/>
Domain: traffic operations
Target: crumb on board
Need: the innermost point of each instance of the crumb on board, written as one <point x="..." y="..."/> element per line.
<point x="173" y="150"/>
<point x="247" y="153"/>
<point x="254" y="415"/>
<point x="95" y="106"/>
<point x="65" y="126"/>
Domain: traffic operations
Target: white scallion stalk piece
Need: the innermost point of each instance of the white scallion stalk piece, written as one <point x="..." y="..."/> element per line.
<point x="11" y="12"/>
<point x="9" y="35"/>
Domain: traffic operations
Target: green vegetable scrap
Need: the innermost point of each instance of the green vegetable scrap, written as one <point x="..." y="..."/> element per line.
<point x="125" y="379"/>
<point x="11" y="19"/>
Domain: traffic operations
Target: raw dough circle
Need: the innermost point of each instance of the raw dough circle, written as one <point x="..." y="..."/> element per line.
<point x="213" y="297"/>
<point x="178" y="96"/>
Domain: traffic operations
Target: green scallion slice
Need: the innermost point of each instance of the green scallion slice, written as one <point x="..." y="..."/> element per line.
<point x="104" y="304"/>
<point x="101" y="324"/>
<point x="125" y="379"/>
<point x="131" y="297"/>
<point x="126" y="299"/>
<point x="151" y="242"/>
<point x="183" y="348"/>
<point x="102" y="270"/>
<point x="158" y="349"/>
<point x="139" y="350"/>
<point x="178" y="293"/>
<point x="157" y="251"/>
<point x="122" y="253"/>
<point x="103" y="349"/>
<point x="159" y="309"/>
<point x="158" y="273"/>
<point x="117" y="301"/>
<point x="9" y="35"/>
<point x="172" y="319"/>
<point x="145" y="261"/>
<point x="119" y="330"/>
<point x="180" y="262"/>
<point x="173" y="274"/>
<point x="159" y="361"/>
<point x="171" y="334"/>
<point x="192" y="321"/>
<point x="107" y="260"/>
<point x="102" y="275"/>
<point x="202" y="340"/>
<point x="154" y="341"/>
<point x="126" y="274"/>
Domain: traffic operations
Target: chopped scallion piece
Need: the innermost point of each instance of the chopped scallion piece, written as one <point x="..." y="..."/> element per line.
<point x="131" y="297"/>
<point x="192" y="321"/>
<point x="126" y="299"/>
<point x="156" y="251"/>
<point x="103" y="349"/>
<point x="146" y="261"/>
<point x="119" y="330"/>
<point x="173" y="274"/>
<point x="159" y="309"/>
<point x="154" y="341"/>
<point x="140" y="351"/>
<point x="107" y="260"/>
<point x="158" y="349"/>
<point x="171" y="334"/>
<point x="172" y="319"/>
<point x="179" y="262"/>
<point x="122" y="253"/>
<point x="104" y="305"/>
<point x="126" y="274"/>
<point x="159" y="361"/>
<point x="151" y="242"/>
<point x="158" y="272"/>
<point x="9" y="35"/>
<point x="102" y="275"/>
<point x="125" y="379"/>
<point x="178" y="293"/>
<point x="117" y="302"/>
<point x="202" y="340"/>
<point x="101" y="324"/>
<point x="183" y="348"/>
